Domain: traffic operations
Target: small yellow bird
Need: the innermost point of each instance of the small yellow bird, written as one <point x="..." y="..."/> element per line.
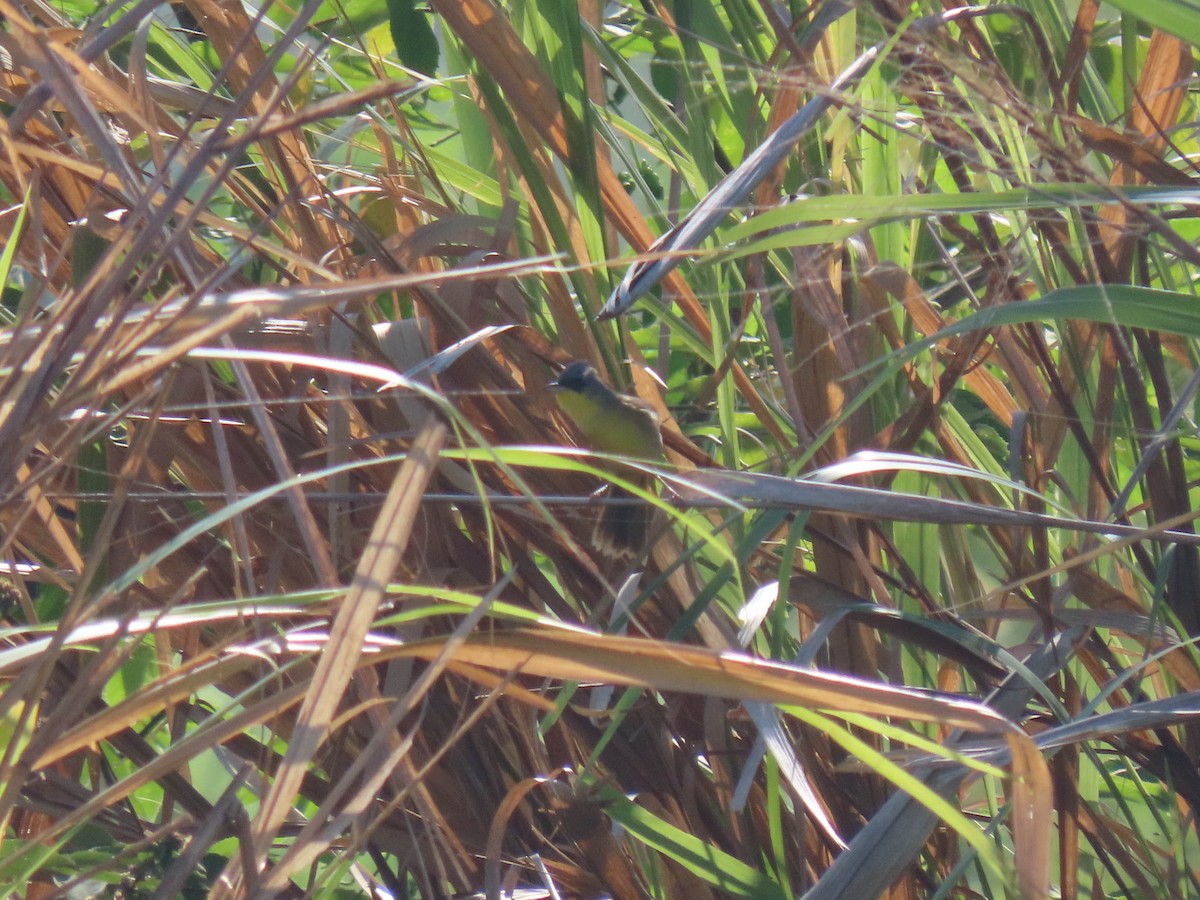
<point x="617" y="424"/>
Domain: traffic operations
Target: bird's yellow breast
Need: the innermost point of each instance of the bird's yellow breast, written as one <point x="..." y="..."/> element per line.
<point x="614" y="424"/>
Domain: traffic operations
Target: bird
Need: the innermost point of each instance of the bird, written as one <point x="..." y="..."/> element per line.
<point x="623" y="426"/>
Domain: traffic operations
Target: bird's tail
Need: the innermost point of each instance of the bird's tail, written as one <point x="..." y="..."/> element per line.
<point x="623" y="526"/>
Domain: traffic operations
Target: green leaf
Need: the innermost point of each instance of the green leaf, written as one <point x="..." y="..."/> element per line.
<point x="728" y="874"/>
<point x="1135" y="307"/>
<point x="1178" y="17"/>
<point x="416" y="44"/>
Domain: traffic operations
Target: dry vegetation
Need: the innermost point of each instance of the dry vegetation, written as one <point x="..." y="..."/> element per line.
<point x="300" y="596"/>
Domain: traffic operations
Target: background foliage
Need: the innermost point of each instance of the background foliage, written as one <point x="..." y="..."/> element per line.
<point x="300" y="593"/>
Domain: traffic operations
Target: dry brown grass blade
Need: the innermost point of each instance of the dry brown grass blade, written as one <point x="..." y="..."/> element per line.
<point x="1032" y="817"/>
<point x="829" y="349"/>
<point x="1161" y="92"/>
<point x="56" y="65"/>
<point x="639" y="662"/>
<point x="340" y="658"/>
<point x="1075" y="58"/>
<point x="500" y="824"/>
<point x="1123" y="148"/>
<point x="94" y="180"/>
<point x="41" y="507"/>
<point x="234" y="37"/>
<point x="341" y="104"/>
<point x="193" y="322"/>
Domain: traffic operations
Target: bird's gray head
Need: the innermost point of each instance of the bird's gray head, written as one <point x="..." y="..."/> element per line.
<point x="575" y="377"/>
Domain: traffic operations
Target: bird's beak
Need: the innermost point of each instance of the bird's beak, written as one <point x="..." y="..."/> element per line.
<point x="554" y="386"/>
